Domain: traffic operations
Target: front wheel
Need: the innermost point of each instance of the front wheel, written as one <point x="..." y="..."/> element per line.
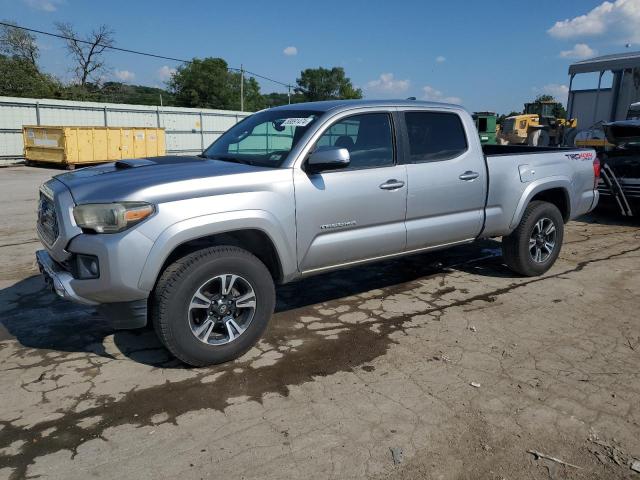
<point x="533" y="247"/>
<point x="213" y="305"/>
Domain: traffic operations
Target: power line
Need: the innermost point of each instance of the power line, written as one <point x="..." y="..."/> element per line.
<point x="136" y="52"/>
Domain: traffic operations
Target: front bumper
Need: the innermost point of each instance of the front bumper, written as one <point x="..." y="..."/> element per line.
<point x="59" y="279"/>
<point x="131" y="314"/>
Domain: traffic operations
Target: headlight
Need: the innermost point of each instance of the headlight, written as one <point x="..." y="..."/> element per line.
<point x="111" y="217"/>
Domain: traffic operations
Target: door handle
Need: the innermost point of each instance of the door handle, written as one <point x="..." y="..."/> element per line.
<point x="469" y="175"/>
<point x="392" y="184"/>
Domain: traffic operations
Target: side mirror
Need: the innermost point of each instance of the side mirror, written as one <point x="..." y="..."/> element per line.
<point x="328" y="158"/>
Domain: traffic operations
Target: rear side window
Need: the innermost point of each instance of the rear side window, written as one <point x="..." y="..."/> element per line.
<point x="434" y="136"/>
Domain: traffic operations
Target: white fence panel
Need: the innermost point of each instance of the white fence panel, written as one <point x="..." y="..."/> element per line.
<point x="209" y="138"/>
<point x="11" y="145"/>
<point x="132" y="119"/>
<point x="183" y="121"/>
<point x="216" y="124"/>
<point x="186" y="142"/>
<point x="15" y="115"/>
<point x="187" y="130"/>
<point x="68" y="116"/>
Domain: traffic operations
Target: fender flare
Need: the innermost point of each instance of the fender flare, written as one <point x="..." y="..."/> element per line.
<point x="212" y="224"/>
<point x="536" y="187"/>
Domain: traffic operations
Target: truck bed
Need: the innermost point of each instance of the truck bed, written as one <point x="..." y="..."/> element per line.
<point x="516" y="173"/>
<point x="492" y="150"/>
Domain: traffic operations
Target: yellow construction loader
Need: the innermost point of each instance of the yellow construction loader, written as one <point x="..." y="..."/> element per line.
<point x="538" y="126"/>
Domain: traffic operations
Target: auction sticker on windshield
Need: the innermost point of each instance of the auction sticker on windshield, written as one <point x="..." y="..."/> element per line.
<point x="297" y="122"/>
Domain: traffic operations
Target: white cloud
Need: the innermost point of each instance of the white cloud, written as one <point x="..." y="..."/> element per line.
<point x="44" y="5"/>
<point x="434" y="95"/>
<point x="440" y="59"/>
<point x="386" y="83"/>
<point x="579" y="50"/>
<point x="290" y="51"/>
<point x="165" y="72"/>
<point x="620" y="18"/>
<point x="124" y="75"/>
<point x="558" y="91"/>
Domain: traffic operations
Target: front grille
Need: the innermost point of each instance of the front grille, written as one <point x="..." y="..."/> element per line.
<point x="47" y="220"/>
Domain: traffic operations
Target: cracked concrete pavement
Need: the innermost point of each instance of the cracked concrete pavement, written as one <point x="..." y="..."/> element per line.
<point x="356" y="364"/>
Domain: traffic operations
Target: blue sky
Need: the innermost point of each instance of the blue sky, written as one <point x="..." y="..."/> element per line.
<point x="486" y="55"/>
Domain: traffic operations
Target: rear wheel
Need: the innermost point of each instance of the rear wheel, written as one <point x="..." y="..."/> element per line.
<point x="533" y="247"/>
<point x="213" y="305"/>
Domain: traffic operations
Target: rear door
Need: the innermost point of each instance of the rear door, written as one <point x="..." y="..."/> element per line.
<point x="447" y="178"/>
<point x="356" y="213"/>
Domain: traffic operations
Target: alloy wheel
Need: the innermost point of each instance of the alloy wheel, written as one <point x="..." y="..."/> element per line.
<point x="543" y="240"/>
<point x="222" y="309"/>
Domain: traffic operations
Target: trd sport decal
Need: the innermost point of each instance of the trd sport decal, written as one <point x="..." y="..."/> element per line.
<point x="579" y="156"/>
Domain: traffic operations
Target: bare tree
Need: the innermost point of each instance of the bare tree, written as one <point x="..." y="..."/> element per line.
<point x="87" y="52"/>
<point x="18" y="43"/>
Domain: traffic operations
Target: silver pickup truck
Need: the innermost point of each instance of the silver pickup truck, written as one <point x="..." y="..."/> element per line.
<point x="195" y="245"/>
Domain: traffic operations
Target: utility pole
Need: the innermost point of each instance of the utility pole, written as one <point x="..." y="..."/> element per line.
<point x="241" y="88"/>
<point x="289" y="93"/>
<point x="161" y="100"/>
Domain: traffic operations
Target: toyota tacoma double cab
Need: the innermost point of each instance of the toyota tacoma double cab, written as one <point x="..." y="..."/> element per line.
<point x="195" y="245"/>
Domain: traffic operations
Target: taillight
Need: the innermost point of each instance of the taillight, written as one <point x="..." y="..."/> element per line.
<point x="596" y="172"/>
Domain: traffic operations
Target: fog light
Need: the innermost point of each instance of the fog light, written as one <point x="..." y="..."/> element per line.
<point x="87" y="267"/>
<point x="93" y="267"/>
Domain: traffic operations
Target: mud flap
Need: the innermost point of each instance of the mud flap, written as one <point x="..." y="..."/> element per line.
<point x="125" y="315"/>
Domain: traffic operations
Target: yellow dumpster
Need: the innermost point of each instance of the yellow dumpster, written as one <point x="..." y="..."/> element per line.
<point x="71" y="146"/>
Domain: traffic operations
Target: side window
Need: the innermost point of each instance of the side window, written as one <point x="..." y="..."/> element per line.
<point x="434" y="136"/>
<point x="368" y="138"/>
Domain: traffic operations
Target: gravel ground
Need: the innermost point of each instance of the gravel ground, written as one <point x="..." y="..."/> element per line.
<point x="439" y="366"/>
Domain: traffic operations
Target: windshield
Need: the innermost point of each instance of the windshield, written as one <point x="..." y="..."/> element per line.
<point x="264" y="139"/>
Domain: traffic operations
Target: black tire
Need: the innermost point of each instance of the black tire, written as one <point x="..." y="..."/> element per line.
<point x="182" y="279"/>
<point x="516" y="250"/>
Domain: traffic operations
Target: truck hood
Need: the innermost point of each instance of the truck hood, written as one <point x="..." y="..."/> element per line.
<point x="151" y="179"/>
<point x="623" y="132"/>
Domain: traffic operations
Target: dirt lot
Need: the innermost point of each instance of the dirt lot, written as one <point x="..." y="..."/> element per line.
<point x="358" y="368"/>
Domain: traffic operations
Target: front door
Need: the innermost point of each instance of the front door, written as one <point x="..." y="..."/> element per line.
<point x="356" y="213"/>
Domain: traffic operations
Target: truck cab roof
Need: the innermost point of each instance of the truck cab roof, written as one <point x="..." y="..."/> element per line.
<point x="341" y="105"/>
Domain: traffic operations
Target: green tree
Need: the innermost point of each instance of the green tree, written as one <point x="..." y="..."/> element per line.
<point x="17" y="43"/>
<point x="21" y="78"/>
<point x="253" y="100"/>
<point x="117" y="92"/>
<point x="324" y="84"/>
<point x="276" y="99"/>
<point x="558" y="109"/>
<point x="208" y="83"/>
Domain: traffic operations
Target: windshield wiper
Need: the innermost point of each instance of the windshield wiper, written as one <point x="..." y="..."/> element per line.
<point x="225" y="158"/>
